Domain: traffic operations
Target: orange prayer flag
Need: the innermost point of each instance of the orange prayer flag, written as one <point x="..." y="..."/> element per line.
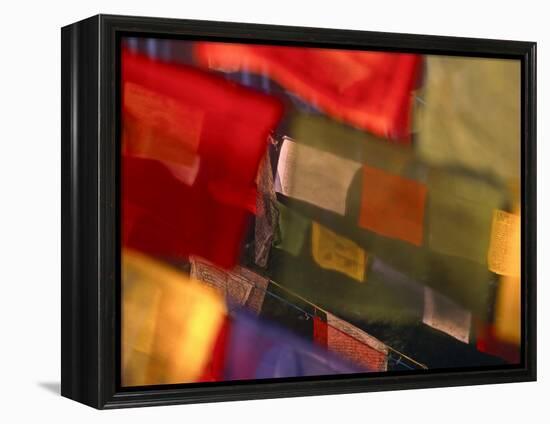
<point x="392" y="206"/>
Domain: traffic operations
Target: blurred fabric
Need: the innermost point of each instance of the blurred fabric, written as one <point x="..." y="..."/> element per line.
<point x="370" y="90"/>
<point x="169" y="323"/>
<point x="223" y="134"/>
<point x="258" y="350"/>
<point x="469" y="115"/>
<point x="431" y="263"/>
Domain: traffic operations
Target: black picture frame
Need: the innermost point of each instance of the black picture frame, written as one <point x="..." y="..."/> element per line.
<point x="90" y="210"/>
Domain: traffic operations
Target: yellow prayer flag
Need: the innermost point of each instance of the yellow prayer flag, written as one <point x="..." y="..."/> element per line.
<point x="169" y="323"/>
<point x="337" y="253"/>
<point x="504" y="258"/>
<point x="505" y="246"/>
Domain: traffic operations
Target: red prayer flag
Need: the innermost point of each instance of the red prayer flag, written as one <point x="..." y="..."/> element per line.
<point x="370" y="90"/>
<point x="192" y="144"/>
<point x="348" y="347"/>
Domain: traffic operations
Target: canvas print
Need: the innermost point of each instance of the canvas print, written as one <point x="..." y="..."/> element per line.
<point x="299" y="212"/>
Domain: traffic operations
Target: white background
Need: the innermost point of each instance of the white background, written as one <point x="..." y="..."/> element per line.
<point x="30" y="210"/>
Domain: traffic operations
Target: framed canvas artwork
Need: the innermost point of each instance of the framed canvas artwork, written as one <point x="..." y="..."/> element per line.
<point x="253" y="211"/>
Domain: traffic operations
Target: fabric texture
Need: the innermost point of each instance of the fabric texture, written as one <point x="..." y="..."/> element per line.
<point x="166" y="211"/>
<point x="370" y="90"/>
<point x="469" y="116"/>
